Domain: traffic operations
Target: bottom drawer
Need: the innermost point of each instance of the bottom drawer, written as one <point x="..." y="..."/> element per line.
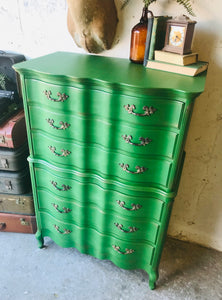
<point x="17" y="223"/>
<point x="127" y="255"/>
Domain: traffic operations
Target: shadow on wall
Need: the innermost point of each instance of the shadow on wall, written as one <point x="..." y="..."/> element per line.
<point x="198" y="206"/>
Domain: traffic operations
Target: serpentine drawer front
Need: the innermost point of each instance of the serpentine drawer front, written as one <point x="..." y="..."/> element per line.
<point x="106" y="105"/>
<point x="106" y="140"/>
<point x="147" y="140"/>
<point x="146" y="210"/>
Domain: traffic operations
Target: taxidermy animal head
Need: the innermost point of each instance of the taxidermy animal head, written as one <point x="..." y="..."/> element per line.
<point x="92" y="23"/>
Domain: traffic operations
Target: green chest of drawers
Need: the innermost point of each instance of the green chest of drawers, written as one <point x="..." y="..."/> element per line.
<point x="106" y="141"/>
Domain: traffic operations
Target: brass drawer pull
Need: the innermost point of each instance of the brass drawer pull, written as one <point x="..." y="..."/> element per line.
<point x="64" y="209"/>
<point x="2" y="226"/>
<point x="62" y="96"/>
<point x="131" y="229"/>
<point x="148" y="110"/>
<point x="64" y="187"/>
<point x="127" y="251"/>
<point x="64" y="152"/>
<point x="144" y="141"/>
<point x="139" y="170"/>
<point x="64" y="125"/>
<point x="66" y="231"/>
<point x="134" y="206"/>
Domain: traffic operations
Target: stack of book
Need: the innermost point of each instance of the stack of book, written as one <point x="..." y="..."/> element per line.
<point x="156" y="58"/>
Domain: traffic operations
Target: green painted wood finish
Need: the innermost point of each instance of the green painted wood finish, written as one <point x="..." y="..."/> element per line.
<point x="92" y="121"/>
<point x="88" y="216"/>
<point x="95" y="160"/>
<point x="108" y="106"/>
<point x="149" y="209"/>
<point x="58" y="125"/>
<point x="99" y="245"/>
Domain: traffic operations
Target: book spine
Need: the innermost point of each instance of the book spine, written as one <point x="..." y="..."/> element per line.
<point x="189" y="70"/>
<point x="148" y="37"/>
<point x="153" y="39"/>
<point x="177" y="59"/>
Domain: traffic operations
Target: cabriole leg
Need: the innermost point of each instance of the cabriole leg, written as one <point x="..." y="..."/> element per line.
<point x="153" y="276"/>
<point x="40" y="239"/>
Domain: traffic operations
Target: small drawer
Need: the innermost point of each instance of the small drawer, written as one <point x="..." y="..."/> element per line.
<point x="125" y="254"/>
<point x="152" y="111"/>
<point x="82" y="191"/>
<point x="145" y="110"/>
<point x="104" y="222"/>
<point x="113" y="135"/>
<point x="97" y="161"/>
<point x="139" y="209"/>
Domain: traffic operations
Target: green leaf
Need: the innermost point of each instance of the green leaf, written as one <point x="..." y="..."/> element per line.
<point x="187" y="5"/>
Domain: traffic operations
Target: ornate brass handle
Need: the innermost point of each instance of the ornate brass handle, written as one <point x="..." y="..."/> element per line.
<point x="64" y="152"/>
<point x="62" y="96"/>
<point x="64" y="125"/>
<point x="64" y="187"/>
<point x="134" y="206"/>
<point x="144" y="141"/>
<point x="64" y="209"/>
<point x="127" y="251"/>
<point x="2" y="226"/>
<point x="131" y="229"/>
<point x="139" y="170"/>
<point x="148" y="110"/>
<point x="66" y="231"/>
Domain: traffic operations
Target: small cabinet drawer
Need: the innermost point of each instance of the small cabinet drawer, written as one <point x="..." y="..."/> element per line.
<point x="115" y="135"/>
<point x="136" y="208"/>
<point x="146" y="110"/>
<point x="105" y="222"/>
<point x="98" y="161"/>
<point x="60" y="186"/>
<point x="125" y="254"/>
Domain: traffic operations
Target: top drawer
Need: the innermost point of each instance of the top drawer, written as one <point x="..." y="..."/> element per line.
<point x="151" y="111"/>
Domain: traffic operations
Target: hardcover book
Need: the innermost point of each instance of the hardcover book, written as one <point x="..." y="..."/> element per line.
<point x="190" y="70"/>
<point x="174" y="58"/>
<point x="155" y="36"/>
<point x="148" y="40"/>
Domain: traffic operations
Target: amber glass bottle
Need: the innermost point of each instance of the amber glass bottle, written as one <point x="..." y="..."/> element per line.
<point x="138" y="39"/>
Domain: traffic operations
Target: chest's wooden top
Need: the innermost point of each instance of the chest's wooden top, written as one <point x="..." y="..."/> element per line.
<point x="106" y="71"/>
